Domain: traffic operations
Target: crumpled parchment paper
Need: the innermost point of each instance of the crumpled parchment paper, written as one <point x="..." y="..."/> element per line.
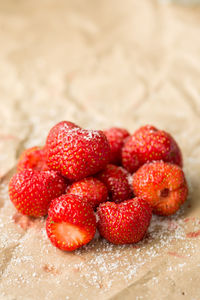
<point x="99" y="64"/>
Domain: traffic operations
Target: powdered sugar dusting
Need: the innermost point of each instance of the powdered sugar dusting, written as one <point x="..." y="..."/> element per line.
<point x="100" y="267"/>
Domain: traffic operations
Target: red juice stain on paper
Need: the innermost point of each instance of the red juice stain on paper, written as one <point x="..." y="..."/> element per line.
<point x="50" y="269"/>
<point x="7" y="137"/>
<point x="193" y="234"/>
<point x="25" y="222"/>
<point x="175" y="254"/>
<point x="189" y="219"/>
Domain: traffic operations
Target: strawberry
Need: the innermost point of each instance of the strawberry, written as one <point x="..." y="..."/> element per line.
<point x="32" y="191"/>
<point x="124" y="223"/>
<point x="71" y="222"/>
<point x="116" y="180"/>
<point x="148" y="144"/>
<point x="162" y="185"/>
<point x="77" y="153"/>
<point x="62" y="126"/>
<point x="52" y="139"/>
<point x="33" y="158"/>
<point x="89" y="189"/>
<point x="116" y="137"/>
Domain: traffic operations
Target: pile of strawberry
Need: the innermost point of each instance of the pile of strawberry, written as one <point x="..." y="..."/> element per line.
<point x="81" y="176"/>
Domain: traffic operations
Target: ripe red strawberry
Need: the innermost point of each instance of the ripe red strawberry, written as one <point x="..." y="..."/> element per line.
<point x="77" y="153"/>
<point x="116" y="180"/>
<point x="124" y="223"/>
<point x="90" y="190"/>
<point x="33" y="158"/>
<point x="116" y="137"/>
<point x="32" y="191"/>
<point x="148" y="144"/>
<point x="71" y="222"/>
<point x="162" y="185"/>
<point x="62" y="126"/>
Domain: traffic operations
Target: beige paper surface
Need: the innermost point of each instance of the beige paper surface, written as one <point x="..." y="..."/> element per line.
<point x="99" y="64"/>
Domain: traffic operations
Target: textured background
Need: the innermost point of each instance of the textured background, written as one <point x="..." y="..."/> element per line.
<point x="99" y="63"/>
